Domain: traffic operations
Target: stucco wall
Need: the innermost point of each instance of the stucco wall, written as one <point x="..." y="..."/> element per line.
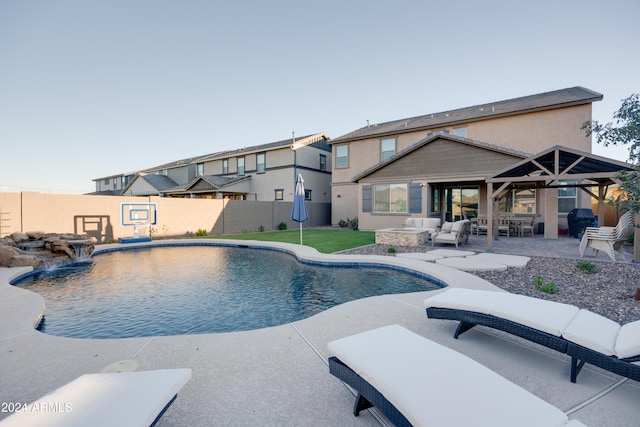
<point x="99" y="216"/>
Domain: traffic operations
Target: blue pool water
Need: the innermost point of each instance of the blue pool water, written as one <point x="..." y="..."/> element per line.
<point x="192" y="290"/>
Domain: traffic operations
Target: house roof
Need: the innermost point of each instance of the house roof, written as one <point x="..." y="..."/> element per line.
<point x="208" y="183"/>
<point x="161" y="183"/>
<point x="318" y="138"/>
<point x="560" y="163"/>
<point x="453" y="138"/>
<point x="544" y="101"/>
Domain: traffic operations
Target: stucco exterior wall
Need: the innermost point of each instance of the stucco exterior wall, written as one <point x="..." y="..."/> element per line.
<point x="100" y="216"/>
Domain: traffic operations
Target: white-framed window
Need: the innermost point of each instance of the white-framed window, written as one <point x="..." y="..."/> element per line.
<point x="567" y="197"/>
<point x="342" y="156"/>
<point x="390" y="198"/>
<point x="261" y="159"/>
<point x="323" y="162"/>
<point x="387" y="148"/>
<point x="240" y="165"/>
<point x="200" y="167"/>
<point x="225" y="166"/>
<point x="519" y="200"/>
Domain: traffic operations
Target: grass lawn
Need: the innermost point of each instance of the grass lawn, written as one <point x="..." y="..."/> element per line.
<point x="323" y="240"/>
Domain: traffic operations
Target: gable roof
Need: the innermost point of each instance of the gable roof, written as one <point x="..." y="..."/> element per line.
<point x="560" y="163"/>
<point x="160" y="183"/>
<point x="544" y="101"/>
<point x="213" y="182"/>
<point x="441" y="136"/>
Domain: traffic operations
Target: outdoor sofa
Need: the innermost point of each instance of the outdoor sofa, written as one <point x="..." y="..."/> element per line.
<point x="415" y="381"/>
<point x="430" y="225"/>
<point x="585" y="336"/>
<point x="105" y="399"/>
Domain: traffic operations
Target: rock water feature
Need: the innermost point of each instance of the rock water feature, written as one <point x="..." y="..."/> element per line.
<point x="37" y="250"/>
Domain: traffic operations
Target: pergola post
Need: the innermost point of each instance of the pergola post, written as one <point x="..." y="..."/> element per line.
<point x="489" y="216"/>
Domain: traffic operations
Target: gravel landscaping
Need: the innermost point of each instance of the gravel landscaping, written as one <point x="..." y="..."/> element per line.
<point x="609" y="291"/>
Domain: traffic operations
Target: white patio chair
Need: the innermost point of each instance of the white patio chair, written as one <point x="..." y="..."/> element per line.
<point x="608" y="239"/>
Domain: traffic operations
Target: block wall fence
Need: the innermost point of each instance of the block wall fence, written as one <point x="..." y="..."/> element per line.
<point x="99" y="216"/>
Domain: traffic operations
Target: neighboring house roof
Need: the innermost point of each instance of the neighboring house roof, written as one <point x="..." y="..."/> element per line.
<point x="441" y="136"/>
<point x="544" y="101"/>
<point x="161" y="183"/>
<point x="208" y="183"/>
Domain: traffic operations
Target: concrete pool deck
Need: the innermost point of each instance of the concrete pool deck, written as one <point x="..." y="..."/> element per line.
<point x="279" y="375"/>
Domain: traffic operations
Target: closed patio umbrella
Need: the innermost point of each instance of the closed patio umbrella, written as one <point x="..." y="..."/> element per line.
<point x="299" y="211"/>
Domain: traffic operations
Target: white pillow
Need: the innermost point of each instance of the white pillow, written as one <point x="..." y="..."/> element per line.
<point x="457" y="226"/>
<point x="430" y="222"/>
<point x="628" y="341"/>
<point x="446" y="227"/>
<point x="413" y="222"/>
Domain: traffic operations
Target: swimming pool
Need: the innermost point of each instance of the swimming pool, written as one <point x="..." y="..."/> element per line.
<point x="192" y="290"/>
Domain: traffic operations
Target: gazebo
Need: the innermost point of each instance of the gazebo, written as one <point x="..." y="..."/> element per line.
<point x="553" y="168"/>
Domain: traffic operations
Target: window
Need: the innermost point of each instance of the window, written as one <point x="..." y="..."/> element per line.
<point x="390" y="198"/>
<point x="200" y="167"/>
<point x="240" y="165"/>
<point x="225" y="166"/>
<point x="307" y="194"/>
<point x="435" y="199"/>
<point x="260" y="162"/>
<point x="106" y="181"/>
<point x="387" y="148"/>
<point x="323" y="162"/>
<point x="279" y="194"/>
<point x="460" y="132"/>
<point x="342" y="156"/>
<point x="460" y="203"/>
<point x="567" y="197"/>
<point x="115" y="182"/>
<point x="519" y="200"/>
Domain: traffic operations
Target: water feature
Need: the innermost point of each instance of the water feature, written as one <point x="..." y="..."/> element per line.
<point x="191" y="290"/>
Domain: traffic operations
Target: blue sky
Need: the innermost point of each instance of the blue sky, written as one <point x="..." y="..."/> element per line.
<point x="94" y="88"/>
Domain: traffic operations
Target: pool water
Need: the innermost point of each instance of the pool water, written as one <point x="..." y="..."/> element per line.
<point x="193" y="290"/>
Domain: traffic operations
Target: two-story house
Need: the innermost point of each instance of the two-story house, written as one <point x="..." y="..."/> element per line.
<point x="436" y="165"/>
<point x="263" y="172"/>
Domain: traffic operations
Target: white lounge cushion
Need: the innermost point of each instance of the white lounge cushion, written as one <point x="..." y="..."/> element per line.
<point x="446" y="227"/>
<point x="628" y="340"/>
<point x="433" y="385"/>
<point x="547" y="316"/>
<point x="106" y="399"/>
<point x="593" y="331"/>
<point x="456" y="227"/>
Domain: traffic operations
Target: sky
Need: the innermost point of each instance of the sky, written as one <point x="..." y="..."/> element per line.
<point x="90" y="88"/>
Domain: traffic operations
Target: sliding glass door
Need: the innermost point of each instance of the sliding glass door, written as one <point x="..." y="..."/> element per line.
<point x="460" y="203"/>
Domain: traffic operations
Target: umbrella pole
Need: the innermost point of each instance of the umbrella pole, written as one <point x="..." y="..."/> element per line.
<point x="300" y="233"/>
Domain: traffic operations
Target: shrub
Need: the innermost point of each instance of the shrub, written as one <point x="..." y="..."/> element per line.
<point x="391" y="250"/>
<point x="351" y="223"/>
<point x="282" y="226"/>
<point x="549" y="287"/>
<point x="261" y="228"/>
<point x="586" y="267"/>
<point x="201" y="232"/>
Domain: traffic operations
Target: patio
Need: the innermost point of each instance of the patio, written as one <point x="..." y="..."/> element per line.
<point x="279" y="375"/>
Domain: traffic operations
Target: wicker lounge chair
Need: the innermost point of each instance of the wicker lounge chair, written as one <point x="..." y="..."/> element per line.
<point x="106" y="399"/>
<point x="415" y="381"/>
<point x="608" y="239"/>
<point x="585" y="336"/>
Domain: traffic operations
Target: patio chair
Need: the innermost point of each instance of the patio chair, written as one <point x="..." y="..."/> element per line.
<point x="608" y="239"/>
<point x="415" y="381"/>
<point x="106" y="399"/>
<point x="504" y="225"/>
<point x="527" y="226"/>
<point x="459" y="233"/>
<point x="481" y="225"/>
<point x="585" y="336"/>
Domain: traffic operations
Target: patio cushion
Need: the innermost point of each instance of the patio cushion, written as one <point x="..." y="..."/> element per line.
<point x="593" y="331"/>
<point x="456" y="227"/>
<point x="413" y="222"/>
<point x="628" y="340"/>
<point x="433" y="385"/>
<point x="547" y="316"/>
<point x="446" y="227"/>
<point x="431" y="223"/>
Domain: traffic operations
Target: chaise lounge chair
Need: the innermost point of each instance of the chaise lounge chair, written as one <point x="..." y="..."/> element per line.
<point x="106" y="399"/>
<point x="585" y="336"/>
<point x="415" y="381"/>
<point x="608" y="239"/>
